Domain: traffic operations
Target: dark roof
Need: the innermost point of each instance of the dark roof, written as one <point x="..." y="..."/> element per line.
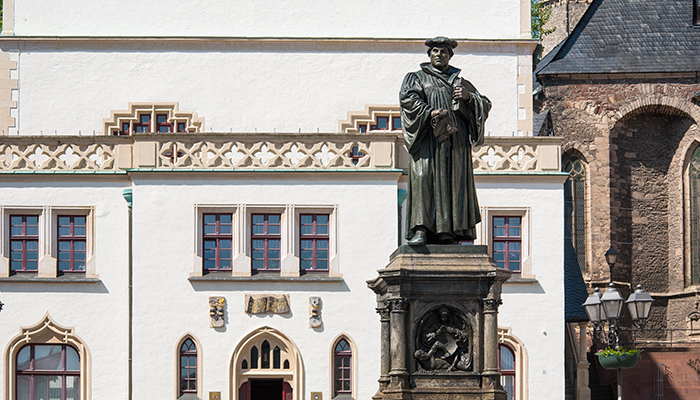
<point x="575" y="293"/>
<point x="539" y="122"/>
<point x="629" y="36"/>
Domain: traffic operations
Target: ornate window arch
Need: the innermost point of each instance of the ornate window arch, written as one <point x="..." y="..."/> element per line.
<point x="266" y="353"/>
<point x="46" y="336"/>
<point x="343" y="361"/>
<point x="519" y="362"/>
<point x="188" y="367"/>
<point x="576" y="205"/>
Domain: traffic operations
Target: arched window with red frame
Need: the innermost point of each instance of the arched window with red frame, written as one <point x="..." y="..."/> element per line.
<point x="342" y="368"/>
<point x="48" y="371"/>
<point x="506" y="366"/>
<point x="188" y="367"/>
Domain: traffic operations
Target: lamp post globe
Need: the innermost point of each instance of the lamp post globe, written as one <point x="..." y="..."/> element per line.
<point x="639" y="305"/>
<point x="612" y="303"/>
<point x="592" y="306"/>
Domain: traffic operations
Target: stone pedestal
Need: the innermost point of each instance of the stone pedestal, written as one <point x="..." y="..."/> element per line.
<point x="439" y="314"/>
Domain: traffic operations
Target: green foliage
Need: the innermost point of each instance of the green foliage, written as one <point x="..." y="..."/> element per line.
<point x="617" y="352"/>
<point x="539" y="15"/>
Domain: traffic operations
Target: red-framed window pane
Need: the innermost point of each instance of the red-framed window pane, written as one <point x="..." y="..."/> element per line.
<point x="48" y="372"/>
<point x="506" y="366"/>
<point x="313" y="235"/>
<point x="24" y="243"/>
<point x="217" y="240"/>
<point x="507" y="239"/>
<point x="342" y="368"/>
<point x="181" y="127"/>
<point x="395" y="123"/>
<point x="266" y="239"/>
<point x="124" y="131"/>
<point x="188" y="367"/>
<point x="362" y="128"/>
<point x="71" y="243"/>
<point x="382" y="124"/>
<point x="144" y="124"/>
<point x="162" y="124"/>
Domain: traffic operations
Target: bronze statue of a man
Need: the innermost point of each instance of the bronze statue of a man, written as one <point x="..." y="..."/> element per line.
<point x="442" y="116"/>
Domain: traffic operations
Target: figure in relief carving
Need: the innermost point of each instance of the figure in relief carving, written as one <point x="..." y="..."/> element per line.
<point x="444" y="342"/>
<point x="442" y="117"/>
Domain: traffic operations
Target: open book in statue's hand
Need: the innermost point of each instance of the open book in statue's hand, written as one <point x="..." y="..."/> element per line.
<point x="443" y="127"/>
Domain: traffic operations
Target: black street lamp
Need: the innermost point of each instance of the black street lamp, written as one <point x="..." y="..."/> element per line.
<point x="608" y="307"/>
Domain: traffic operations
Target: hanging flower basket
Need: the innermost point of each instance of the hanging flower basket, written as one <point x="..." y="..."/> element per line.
<point x="618" y="358"/>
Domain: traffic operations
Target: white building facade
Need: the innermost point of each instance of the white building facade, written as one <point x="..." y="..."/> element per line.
<point x="194" y="196"/>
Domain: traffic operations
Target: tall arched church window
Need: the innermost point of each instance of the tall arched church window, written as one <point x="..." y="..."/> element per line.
<point x="188" y="367"/>
<point x="342" y="368"/>
<point x="575" y="206"/>
<point x="694" y="178"/>
<point x="506" y="366"/>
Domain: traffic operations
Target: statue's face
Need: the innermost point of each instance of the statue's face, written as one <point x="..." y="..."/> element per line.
<point x="440" y="58"/>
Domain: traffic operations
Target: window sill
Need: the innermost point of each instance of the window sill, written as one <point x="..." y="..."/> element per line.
<point x="23" y="278"/>
<point x="517" y="278"/>
<point x="263" y="277"/>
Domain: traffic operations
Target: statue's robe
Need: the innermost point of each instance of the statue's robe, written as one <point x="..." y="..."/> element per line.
<point x="441" y="191"/>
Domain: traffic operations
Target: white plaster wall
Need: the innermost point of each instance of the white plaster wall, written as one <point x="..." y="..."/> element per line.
<point x="167" y="305"/>
<point x="97" y="311"/>
<point x="272" y="18"/>
<point x="262" y="89"/>
<point x="535" y="311"/>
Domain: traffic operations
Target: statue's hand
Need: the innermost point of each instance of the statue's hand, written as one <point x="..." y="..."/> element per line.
<point x="430" y="335"/>
<point x="442" y="113"/>
<point x="461" y="93"/>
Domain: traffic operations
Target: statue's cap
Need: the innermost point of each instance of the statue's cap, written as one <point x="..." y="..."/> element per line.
<point x="441" y="41"/>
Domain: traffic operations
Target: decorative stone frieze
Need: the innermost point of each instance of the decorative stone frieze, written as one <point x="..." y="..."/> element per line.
<point x="212" y="151"/>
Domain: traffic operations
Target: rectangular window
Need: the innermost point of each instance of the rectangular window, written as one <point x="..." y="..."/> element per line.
<point x="266" y="239"/>
<point x="162" y="124"/>
<point x="24" y="243"/>
<point x="362" y="128"/>
<point x="313" y="235"/>
<point x="144" y="123"/>
<point x="181" y="126"/>
<point x="507" y="239"/>
<point x="396" y="123"/>
<point x="125" y="129"/>
<point x="71" y="243"/>
<point x="217" y="242"/>
<point x="382" y="124"/>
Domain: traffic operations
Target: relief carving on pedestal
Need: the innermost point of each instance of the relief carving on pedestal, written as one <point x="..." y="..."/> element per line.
<point x="444" y="342"/>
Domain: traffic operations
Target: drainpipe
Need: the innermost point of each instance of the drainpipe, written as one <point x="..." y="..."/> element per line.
<point x="128" y="196"/>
